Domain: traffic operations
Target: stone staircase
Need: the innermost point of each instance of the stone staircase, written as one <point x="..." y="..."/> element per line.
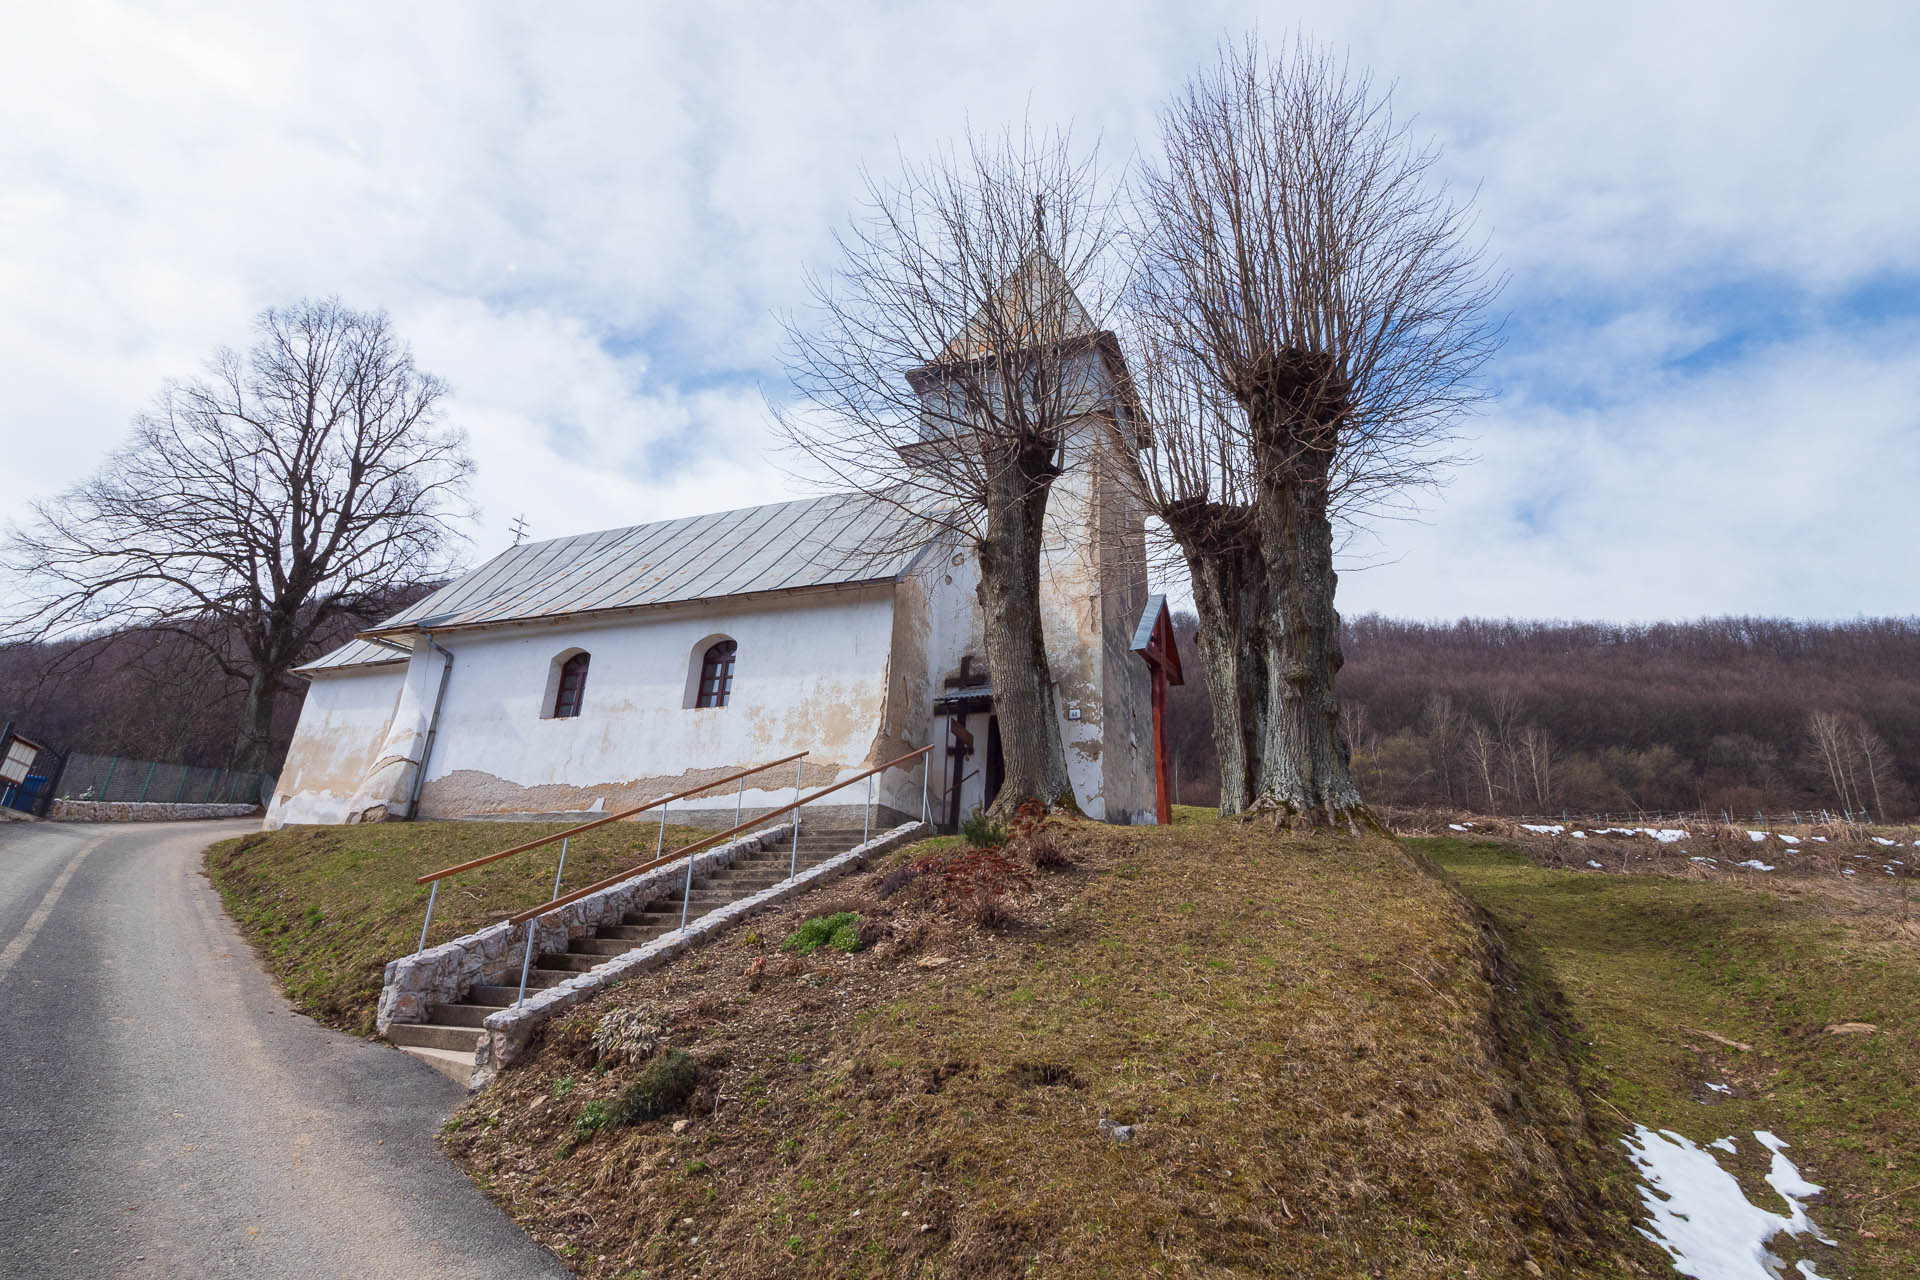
<point x="449" y="1037"/>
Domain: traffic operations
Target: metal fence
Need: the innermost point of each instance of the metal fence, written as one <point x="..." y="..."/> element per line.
<point x="116" y="778"/>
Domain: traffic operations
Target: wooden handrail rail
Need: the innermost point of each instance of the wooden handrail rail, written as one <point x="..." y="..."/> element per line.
<point x="698" y="845"/>
<point x="612" y="817"/>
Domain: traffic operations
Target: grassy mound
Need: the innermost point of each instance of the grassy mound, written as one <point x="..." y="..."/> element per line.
<point x="1203" y="1050"/>
<point x="1799" y="998"/>
<point x="328" y="907"/>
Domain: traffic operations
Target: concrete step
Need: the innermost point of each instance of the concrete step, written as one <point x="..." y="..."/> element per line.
<point x="451" y="1063"/>
<point x="464" y="1015"/>
<point x="761" y="876"/>
<point x="637" y="933"/>
<point x="601" y="947"/>
<point x="428" y="1035"/>
<point x="500" y="995"/>
<point x="573" y="961"/>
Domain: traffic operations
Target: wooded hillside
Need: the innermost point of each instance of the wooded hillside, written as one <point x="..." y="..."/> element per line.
<point x="1737" y="714"/>
<point x="153" y="693"/>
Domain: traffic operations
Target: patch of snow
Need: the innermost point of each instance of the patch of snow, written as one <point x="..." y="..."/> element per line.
<point x="1787" y="839"/>
<point x="1756" y="864"/>
<point x="1882" y="840"/>
<point x="1665" y="835"/>
<point x="1848" y="871"/>
<point x="1793" y="1188"/>
<point x="1756" y="836"/>
<point x="1821" y="839"/>
<point x="1724" y="1144"/>
<point x="1596" y="866"/>
<point x="1697" y="1212"/>
<point x="1805" y="1268"/>
<point x="1456" y="826"/>
<point x="1579" y="835"/>
<point x="1542" y="830"/>
<point x="1700" y="857"/>
<point x="1718" y="1088"/>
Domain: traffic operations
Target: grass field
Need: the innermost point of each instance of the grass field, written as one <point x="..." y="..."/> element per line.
<point x="1331" y="1067"/>
<point x="327" y="907"/>
<point x="1662" y="971"/>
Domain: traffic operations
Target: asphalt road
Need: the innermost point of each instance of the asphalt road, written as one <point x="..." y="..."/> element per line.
<point x="164" y="1113"/>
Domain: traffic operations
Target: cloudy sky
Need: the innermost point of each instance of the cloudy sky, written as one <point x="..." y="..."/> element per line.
<point x="588" y="217"/>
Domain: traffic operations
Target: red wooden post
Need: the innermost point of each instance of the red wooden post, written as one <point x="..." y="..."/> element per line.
<point x="1153" y="640"/>
<point x="1163" y="810"/>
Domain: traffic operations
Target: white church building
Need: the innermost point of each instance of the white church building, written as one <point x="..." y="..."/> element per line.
<point x="603" y="670"/>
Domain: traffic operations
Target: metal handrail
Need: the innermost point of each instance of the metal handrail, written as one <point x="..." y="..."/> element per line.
<point x="534" y="913"/>
<point x="435" y="877"/>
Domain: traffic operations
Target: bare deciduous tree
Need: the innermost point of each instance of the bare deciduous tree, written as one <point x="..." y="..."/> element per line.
<point x="1536" y="750"/>
<point x="1483" y="753"/>
<point x="1829" y="736"/>
<point x="948" y="365"/>
<point x="1876" y="765"/>
<point x="1316" y="318"/>
<point x="1856" y="761"/>
<point x="256" y="505"/>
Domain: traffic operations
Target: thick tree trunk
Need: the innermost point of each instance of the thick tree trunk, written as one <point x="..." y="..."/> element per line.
<point x="255" y="739"/>
<point x="1009" y="594"/>
<point x="1230" y="603"/>
<point x="1294" y="410"/>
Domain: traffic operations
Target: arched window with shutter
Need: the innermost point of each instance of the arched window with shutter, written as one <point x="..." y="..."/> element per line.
<point x="573" y="687"/>
<point x="716" y="674"/>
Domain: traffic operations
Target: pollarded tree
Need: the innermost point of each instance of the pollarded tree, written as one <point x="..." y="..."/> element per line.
<point x="945" y="366"/>
<point x="1320" y="294"/>
<point x="256" y="506"/>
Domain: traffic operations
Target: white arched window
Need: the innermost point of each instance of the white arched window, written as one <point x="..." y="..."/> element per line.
<point x="566" y="685"/>
<point x="716" y="674"/>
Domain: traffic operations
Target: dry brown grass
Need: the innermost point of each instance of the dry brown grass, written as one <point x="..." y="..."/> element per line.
<point x="1333" y="1068"/>
<point x="328" y="907"/>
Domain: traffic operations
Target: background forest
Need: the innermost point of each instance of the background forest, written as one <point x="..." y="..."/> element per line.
<point x="1742" y="715"/>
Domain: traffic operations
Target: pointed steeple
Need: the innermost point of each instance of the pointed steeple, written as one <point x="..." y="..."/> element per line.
<point x="1034" y="304"/>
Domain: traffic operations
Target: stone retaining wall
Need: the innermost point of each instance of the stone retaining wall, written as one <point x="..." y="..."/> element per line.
<point x="510" y="1031"/>
<point x="127" y="811"/>
<point x="442" y="974"/>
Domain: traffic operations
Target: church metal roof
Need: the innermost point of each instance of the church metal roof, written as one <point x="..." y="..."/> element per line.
<point x="841" y="539"/>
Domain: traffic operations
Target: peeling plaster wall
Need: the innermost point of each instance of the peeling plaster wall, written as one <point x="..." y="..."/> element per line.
<point x="811" y="674"/>
<point x="343" y="724"/>
<point x="946" y="588"/>
<point x="1126" y="683"/>
<point x="1093" y="587"/>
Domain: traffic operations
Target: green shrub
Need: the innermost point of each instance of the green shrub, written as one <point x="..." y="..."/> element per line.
<point x="666" y="1083"/>
<point x="841" y="931"/>
<point x="981" y="833"/>
<point x="593" y="1117"/>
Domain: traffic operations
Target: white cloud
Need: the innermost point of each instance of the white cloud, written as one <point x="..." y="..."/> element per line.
<point x="586" y="217"/>
<point x="1782" y="484"/>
